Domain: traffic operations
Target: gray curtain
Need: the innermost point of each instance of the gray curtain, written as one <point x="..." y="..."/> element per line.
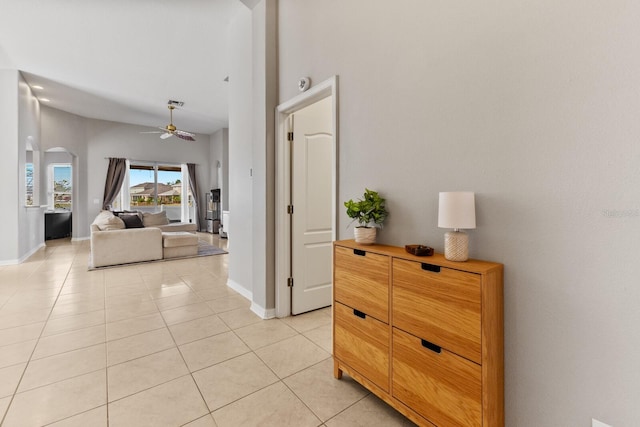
<point x="193" y="184"/>
<point x="115" y="178"/>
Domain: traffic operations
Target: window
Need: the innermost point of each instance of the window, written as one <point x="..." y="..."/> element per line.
<point x="154" y="187"/>
<point x="29" y="172"/>
<point x="61" y="185"/>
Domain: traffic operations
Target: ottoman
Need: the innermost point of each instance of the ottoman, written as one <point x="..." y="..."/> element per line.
<point x="178" y="244"/>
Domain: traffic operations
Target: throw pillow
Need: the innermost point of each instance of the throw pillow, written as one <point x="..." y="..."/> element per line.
<point x="131" y="220"/>
<point x="113" y="223"/>
<point x="126" y="212"/>
<point x="154" y="219"/>
<point x="102" y="220"/>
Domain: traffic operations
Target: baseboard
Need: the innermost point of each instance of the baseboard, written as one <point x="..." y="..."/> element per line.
<point x="23" y="258"/>
<point x="265" y="313"/>
<point x="240" y="289"/>
<point x="78" y="239"/>
<point x="257" y="309"/>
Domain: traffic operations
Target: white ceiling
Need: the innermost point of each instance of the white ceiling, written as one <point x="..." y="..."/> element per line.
<point x="122" y="60"/>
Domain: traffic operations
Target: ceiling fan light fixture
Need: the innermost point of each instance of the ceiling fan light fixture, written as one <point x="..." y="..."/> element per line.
<point x="170" y="129"/>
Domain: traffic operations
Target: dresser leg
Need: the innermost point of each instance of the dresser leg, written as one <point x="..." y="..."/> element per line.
<point x="337" y="372"/>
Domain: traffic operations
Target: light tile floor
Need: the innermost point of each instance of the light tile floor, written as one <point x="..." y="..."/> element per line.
<point x="162" y="344"/>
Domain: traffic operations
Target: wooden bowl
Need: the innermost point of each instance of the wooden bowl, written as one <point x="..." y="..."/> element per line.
<point x="419" y="250"/>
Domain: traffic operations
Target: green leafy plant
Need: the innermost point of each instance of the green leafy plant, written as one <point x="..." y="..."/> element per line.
<point x="368" y="211"/>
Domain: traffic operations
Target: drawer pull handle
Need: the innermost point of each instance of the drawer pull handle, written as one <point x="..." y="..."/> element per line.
<point x="431" y="267"/>
<point x="359" y="314"/>
<point x="431" y="346"/>
<point x="359" y="252"/>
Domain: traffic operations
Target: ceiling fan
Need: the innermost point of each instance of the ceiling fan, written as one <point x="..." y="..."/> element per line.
<point x="169" y="130"/>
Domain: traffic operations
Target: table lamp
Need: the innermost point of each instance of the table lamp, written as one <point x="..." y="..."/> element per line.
<point x="456" y="210"/>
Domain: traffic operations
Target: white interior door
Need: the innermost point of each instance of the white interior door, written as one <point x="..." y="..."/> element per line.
<point x="311" y="196"/>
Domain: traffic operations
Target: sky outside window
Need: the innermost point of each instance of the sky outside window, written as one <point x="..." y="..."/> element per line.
<point x="62" y="173"/>
<point x="138" y="176"/>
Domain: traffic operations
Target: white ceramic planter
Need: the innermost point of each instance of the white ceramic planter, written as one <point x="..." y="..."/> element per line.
<point x="364" y="235"/>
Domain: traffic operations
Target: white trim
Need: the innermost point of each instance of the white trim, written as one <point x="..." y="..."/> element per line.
<point x="263" y="312"/>
<point x="23" y="258"/>
<point x="125" y="195"/>
<point x="51" y="183"/>
<point x="240" y="289"/>
<point x="184" y="198"/>
<point x="79" y="239"/>
<point x="257" y="309"/>
<point x="327" y="88"/>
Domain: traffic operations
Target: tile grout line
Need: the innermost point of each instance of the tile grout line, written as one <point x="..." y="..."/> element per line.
<point x="185" y="364"/>
<point x="15" y="392"/>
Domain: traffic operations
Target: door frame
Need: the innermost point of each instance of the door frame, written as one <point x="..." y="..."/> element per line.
<point x="327" y="88"/>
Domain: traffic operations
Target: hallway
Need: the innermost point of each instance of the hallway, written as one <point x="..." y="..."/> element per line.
<point x="165" y="343"/>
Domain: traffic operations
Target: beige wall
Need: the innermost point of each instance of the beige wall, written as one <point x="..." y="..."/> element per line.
<point x="534" y="106"/>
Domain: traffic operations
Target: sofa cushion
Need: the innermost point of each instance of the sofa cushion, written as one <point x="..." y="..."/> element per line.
<point x="106" y="220"/>
<point x="154" y="219"/>
<point x="131" y="220"/>
<point x="180" y="238"/>
<point x="179" y="226"/>
<point x="102" y="217"/>
<point x="113" y="223"/>
<point x="125" y="246"/>
<point x="126" y="212"/>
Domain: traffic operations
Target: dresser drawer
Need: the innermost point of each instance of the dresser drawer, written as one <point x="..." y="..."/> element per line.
<point x="361" y="281"/>
<point x="441" y="305"/>
<point x="439" y="385"/>
<point x="362" y="342"/>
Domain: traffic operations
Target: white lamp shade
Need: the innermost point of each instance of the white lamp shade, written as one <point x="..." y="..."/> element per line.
<point x="457" y="210"/>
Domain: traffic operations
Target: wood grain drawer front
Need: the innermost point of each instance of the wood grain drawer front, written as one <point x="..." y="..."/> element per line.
<point x="442" y="306"/>
<point x="442" y="387"/>
<point x="362" y="342"/>
<point x="361" y="281"/>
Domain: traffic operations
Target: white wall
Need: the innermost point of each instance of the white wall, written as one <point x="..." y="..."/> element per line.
<point x="225" y="170"/>
<point x="215" y="155"/>
<point x="22" y="227"/>
<point x="30" y="219"/>
<point x="68" y="131"/>
<point x="9" y="165"/>
<point x="219" y="177"/>
<point x="532" y="105"/>
<point x="264" y="78"/>
<point x="240" y="155"/>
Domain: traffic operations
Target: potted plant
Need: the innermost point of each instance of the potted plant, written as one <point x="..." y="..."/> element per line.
<point x="370" y="212"/>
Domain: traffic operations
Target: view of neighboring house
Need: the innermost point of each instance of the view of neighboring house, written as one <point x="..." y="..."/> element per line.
<point x="145" y="193"/>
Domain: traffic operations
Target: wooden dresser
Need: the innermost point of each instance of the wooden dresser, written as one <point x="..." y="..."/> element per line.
<point x="422" y="333"/>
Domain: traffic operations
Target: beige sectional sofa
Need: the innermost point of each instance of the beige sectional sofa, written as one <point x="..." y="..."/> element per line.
<point x="113" y="243"/>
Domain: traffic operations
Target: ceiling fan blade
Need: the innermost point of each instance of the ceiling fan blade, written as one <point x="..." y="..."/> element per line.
<point x="184" y="132"/>
<point x="169" y="130"/>
<point x="185" y="137"/>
